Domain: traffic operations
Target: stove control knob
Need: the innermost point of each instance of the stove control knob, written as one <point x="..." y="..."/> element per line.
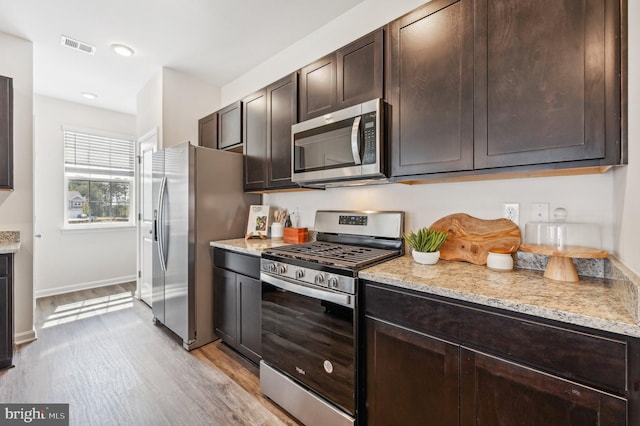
<point x="282" y="269"/>
<point x="333" y="282"/>
<point x="299" y="273"/>
<point x="319" y="279"/>
<point x="273" y="267"/>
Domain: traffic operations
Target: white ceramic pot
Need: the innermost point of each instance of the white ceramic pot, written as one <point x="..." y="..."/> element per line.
<point x="426" y="258"/>
<point x="499" y="261"/>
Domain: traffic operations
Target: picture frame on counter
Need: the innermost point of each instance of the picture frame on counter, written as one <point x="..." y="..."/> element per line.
<point x="259" y="221"/>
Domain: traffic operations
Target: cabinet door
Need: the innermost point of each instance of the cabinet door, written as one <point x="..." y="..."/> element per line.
<point x="6" y="310"/>
<point x="359" y="70"/>
<point x="208" y="131"/>
<point x="230" y="126"/>
<point x="255" y="141"/>
<point x="282" y="109"/>
<point x="250" y="323"/>
<point x="318" y="88"/>
<point x="412" y="379"/>
<point x="226" y="305"/>
<point x="6" y="327"/>
<point x="6" y="133"/>
<point x="498" y="392"/>
<point x="546" y="81"/>
<point x="430" y="89"/>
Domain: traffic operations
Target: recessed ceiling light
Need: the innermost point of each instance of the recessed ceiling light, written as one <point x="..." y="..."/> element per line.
<point x="89" y="95"/>
<point x="122" y="50"/>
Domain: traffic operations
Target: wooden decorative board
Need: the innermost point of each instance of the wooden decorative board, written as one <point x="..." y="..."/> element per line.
<point x="471" y="239"/>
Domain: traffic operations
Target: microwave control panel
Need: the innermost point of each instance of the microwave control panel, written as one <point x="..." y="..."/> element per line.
<point x="369" y="133"/>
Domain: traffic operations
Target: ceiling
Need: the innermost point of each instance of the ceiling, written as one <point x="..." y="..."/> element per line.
<point x="213" y="40"/>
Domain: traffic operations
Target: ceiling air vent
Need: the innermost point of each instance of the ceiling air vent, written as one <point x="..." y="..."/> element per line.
<point x="78" y="45"/>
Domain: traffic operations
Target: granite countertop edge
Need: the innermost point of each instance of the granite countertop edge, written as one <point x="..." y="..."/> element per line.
<point x="9" y="242"/>
<point x="253" y="247"/>
<point x="514" y="306"/>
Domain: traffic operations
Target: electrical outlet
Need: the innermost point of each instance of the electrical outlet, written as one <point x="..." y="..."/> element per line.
<point x="540" y="212"/>
<point x="512" y="212"/>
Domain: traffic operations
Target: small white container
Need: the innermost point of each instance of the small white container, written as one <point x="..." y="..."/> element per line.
<point x="277" y="231"/>
<point x="499" y="261"/>
<point x="426" y="258"/>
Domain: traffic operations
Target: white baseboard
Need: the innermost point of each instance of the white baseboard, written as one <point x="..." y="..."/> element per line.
<point x="25" y="337"/>
<point x="83" y="286"/>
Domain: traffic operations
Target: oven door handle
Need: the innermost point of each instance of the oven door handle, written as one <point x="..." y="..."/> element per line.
<point x="326" y="295"/>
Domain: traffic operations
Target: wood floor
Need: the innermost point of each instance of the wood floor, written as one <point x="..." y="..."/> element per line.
<point x="99" y="351"/>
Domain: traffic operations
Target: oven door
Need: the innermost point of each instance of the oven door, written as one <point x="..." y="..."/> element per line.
<point x="308" y="334"/>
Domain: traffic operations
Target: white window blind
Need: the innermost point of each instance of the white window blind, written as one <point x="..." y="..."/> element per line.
<point x="86" y="153"/>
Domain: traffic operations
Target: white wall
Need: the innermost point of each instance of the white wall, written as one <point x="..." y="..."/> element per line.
<point x="69" y="260"/>
<point x="356" y="22"/>
<point x="627" y="179"/>
<point x="16" y="208"/>
<point x="588" y="198"/>
<point x="424" y="204"/>
<point x="149" y="108"/>
<point x="173" y="102"/>
<point x="184" y="101"/>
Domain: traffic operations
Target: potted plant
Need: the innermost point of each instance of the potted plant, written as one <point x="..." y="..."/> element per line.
<point x="425" y="245"/>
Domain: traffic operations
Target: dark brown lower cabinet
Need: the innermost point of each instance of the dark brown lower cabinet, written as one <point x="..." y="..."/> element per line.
<point x="6" y="310"/>
<point x="237" y="302"/>
<point x="412" y="379"/>
<point x="498" y="392"/>
<point x="437" y="361"/>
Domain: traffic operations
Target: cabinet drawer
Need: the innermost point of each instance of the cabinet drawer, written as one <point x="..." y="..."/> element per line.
<point x="571" y="354"/>
<point x="4" y="264"/>
<point x="241" y="263"/>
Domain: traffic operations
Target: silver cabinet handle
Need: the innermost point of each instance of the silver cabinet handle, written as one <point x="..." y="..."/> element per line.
<point x="355" y="148"/>
<point x="38" y="235"/>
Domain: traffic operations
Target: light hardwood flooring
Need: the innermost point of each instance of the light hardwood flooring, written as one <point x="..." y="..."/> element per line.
<point x="99" y="351"/>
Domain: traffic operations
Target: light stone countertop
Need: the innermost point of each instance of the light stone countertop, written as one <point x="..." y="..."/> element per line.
<point x="598" y="303"/>
<point x="592" y="302"/>
<point x="252" y="246"/>
<point x="9" y="241"/>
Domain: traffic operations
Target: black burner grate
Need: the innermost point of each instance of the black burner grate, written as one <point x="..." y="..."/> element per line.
<point x="342" y="255"/>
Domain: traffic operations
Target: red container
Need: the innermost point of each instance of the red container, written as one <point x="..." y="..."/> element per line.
<point x="296" y="235"/>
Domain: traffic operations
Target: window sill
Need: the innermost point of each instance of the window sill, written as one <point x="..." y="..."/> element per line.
<point x="96" y="228"/>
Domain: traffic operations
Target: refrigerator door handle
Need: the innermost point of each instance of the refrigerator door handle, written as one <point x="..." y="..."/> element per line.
<point x="160" y="225"/>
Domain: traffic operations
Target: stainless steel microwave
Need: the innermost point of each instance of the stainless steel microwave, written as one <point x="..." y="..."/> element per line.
<point x="342" y="148"/>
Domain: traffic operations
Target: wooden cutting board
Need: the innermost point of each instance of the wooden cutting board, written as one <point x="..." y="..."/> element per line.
<point x="471" y="239"/>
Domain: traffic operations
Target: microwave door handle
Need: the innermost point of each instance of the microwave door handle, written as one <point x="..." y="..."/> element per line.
<point x="355" y="145"/>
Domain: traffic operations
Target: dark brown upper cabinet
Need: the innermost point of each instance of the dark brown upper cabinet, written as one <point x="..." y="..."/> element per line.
<point x="482" y="86"/>
<point x="230" y="126"/>
<point x="208" y="131"/>
<point x="359" y="70"/>
<point x="547" y="85"/>
<point x="318" y="94"/>
<point x="6" y="133"/>
<point x="255" y="140"/>
<point x="430" y="89"/>
<point x="282" y="113"/>
<point x="348" y="76"/>
<point x="268" y="116"/>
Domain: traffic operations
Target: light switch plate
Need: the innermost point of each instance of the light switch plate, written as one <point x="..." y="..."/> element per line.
<point x="540" y="212"/>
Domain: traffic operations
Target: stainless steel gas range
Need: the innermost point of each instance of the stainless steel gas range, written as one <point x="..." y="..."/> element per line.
<point x="310" y="363"/>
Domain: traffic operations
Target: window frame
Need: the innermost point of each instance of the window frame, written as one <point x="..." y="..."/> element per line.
<point x="74" y="175"/>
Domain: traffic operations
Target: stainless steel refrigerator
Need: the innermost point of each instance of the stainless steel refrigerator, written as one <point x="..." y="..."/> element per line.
<point x="198" y="198"/>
